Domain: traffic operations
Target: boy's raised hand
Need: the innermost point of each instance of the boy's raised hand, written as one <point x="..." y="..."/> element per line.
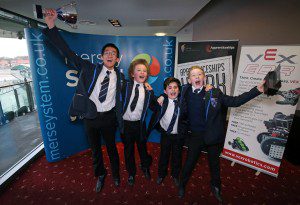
<point x="260" y="87"/>
<point x="208" y="87"/>
<point x="148" y="86"/>
<point x="50" y="17"/>
<point x="160" y="100"/>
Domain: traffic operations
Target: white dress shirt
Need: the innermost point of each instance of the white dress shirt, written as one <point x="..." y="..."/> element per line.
<point x="166" y="119"/>
<point x="110" y="100"/>
<point x="197" y="88"/>
<point x="136" y="114"/>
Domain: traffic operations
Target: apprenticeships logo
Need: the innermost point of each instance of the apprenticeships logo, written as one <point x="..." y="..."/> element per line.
<point x="208" y="48"/>
<point x="153" y="64"/>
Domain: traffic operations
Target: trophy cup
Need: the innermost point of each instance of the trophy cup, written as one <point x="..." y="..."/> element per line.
<point x="273" y="83"/>
<point x="66" y="13"/>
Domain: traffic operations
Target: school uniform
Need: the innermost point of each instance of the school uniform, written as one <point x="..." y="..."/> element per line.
<point x="169" y="121"/>
<point x="134" y="130"/>
<point x="101" y="115"/>
<point x="207" y="125"/>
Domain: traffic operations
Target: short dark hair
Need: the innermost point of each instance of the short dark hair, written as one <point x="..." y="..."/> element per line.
<point x="137" y="62"/>
<point x="171" y="80"/>
<point x="112" y="46"/>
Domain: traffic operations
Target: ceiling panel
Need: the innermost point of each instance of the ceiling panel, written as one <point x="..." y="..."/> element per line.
<point x="137" y="17"/>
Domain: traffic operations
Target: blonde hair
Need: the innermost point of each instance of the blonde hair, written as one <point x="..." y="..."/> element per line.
<point x="194" y="68"/>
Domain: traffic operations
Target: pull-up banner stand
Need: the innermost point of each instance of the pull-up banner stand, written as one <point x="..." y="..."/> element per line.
<point x="217" y="59"/>
<point x="257" y="131"/>
<point x="54" y="82"/>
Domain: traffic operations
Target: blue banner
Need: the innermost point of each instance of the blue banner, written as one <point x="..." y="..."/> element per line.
<point x="55" y="82"/>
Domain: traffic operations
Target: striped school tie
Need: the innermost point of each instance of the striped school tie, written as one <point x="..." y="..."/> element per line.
<point x="104" y="87"/>
<point x="135" y="99"/>
<point x="174" y="117"/>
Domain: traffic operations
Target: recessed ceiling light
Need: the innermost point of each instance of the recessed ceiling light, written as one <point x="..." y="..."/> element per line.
<point x="160" y="34"/>
<point x="115" y="22"/>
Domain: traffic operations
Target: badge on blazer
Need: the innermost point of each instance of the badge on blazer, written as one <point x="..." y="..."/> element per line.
<point x="214" y="102"/>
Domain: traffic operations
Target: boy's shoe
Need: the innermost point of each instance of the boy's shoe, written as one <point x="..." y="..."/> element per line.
<point x="176" y="181"/>
<point x="216" y="192"/>
<point x="131" y="180"/>
<point x="117" y="181"/>
<point x="159" y="180"/>
<point x="100" y="183"/>
<point x="181" y="192"/>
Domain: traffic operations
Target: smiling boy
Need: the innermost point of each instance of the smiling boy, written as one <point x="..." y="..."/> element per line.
<point x="206" y="123"/>
<point x="137" y="99"/>
<point x="172" y="126"/>
<point x="97" y="99"/>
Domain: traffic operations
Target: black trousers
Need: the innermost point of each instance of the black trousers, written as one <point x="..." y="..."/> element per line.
<point x="195" y="145"/>
<point x="103" y="125"/>
<point x="170" y="144"/>
<point x="131" y="136"/>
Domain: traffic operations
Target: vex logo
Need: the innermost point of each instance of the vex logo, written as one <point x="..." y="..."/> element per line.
<point x="153" y="64"/>
<point x="271" y="55"/>
<point x="264" y="69"/>
<point x="270" y="58"/>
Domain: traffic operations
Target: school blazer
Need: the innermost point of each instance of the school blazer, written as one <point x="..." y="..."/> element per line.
<point x="160" y="111"/>
<point x="81" y="105"/>
<point x="215" y="102"/>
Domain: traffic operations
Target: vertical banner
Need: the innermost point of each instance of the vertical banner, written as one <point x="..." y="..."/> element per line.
<point x="257" y="131"/>
<point x="55" y="82"/>
<point x="215" y="57"/>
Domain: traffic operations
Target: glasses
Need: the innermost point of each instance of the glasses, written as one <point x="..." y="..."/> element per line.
<point x="106" y="53"/>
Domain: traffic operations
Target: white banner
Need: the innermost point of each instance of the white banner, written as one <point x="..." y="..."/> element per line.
<point x="257" y="131"/>
<point x="218" y="72"/>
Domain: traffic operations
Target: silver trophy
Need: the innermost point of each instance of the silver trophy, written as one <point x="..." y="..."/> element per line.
<point x="66" y="13"/>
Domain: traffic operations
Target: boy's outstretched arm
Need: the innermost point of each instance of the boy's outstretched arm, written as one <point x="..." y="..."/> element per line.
<point x="236" y="101"/>
<point x="260" y="87"/>
<point x="58" y="42"/>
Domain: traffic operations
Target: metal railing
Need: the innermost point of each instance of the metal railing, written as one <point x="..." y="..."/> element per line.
<point x="16" y="100"/>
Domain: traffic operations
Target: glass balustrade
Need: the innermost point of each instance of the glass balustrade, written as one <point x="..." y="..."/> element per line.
<point x="20" y="133"/>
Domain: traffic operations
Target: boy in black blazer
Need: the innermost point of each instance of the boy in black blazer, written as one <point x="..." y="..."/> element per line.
<point x="97" y="99"/>
<point x="168" y="119"/>
<point x="206" y="123"/>
<point x="137" y="99"/>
